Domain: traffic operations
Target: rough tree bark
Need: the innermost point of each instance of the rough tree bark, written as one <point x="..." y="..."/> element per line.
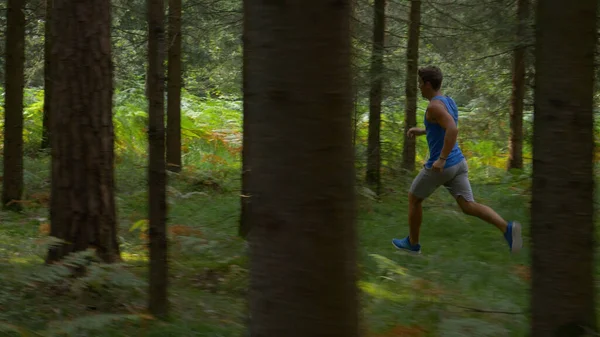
<point x="12" y="186"/>
<point x="562" y="207"/>
<point x="244" y="227"/>
<point x="409" y="151"/>
<point x="82" y="209"/>
<point x="157" y="180"/>
<point x="303" y="237"/>
<point x="373" y="176"/>
<point x="515" y="159"/>
<point x="47" y="77"/>
<point x="174" y="88"/>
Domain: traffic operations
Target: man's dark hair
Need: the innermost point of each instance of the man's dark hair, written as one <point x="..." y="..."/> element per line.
<point x="433" y="75"/>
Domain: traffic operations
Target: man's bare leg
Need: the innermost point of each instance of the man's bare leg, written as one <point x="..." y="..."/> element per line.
<point x="415" y="217"/>
<point x="483" y="212"/>
<point x="511" y="231"/>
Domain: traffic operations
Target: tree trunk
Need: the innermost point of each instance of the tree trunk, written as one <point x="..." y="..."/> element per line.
<point x="373" y="176"/>
<point x="515" y="160"/>
<point x="562" y="207"/>
<point x="355" y="118"/>
<point x="82" y="209"/>
<point x="47" y="76"/>
<point x="158" y="301"/>
<point x="244" y="228"/>
<point x="409" y="151"/>
<point x="303" y="237"/>
<point x="174" y="88"/>
<point x="12" y="188"/>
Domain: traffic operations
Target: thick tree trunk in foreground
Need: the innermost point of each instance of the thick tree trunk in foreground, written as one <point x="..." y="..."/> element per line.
<point x="562" y="208"/>
<point x="157" y="180"/>
<point x="12" y="186"/>
<point x="82" y="209"/>
<point x="303" y="237"/>
<point x="244" y="227"/>
<point x="47" y="76"/>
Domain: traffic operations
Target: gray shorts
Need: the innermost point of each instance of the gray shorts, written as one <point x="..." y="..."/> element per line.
<point x="454" y="178"/>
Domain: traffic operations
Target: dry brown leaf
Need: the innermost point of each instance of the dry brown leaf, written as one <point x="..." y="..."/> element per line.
<point x="427" y="287"/>
<point x="182" y="230"/>
<point x="44" y="228"/>
<point x="524" y="272"/>
<point x="403" y="331"/>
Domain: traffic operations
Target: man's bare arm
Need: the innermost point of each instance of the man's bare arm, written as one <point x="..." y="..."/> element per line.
<point x="444" y="119"/>
<point x="417" y="131"/>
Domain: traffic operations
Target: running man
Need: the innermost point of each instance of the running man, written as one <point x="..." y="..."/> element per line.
<point x="446" y="166"/>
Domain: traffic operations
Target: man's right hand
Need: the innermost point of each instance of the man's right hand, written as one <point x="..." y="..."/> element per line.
<point x="413" y="132"/>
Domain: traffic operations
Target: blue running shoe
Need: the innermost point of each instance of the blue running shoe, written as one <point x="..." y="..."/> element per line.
<point x="513" y="236"/>
<point x="404" y="244"/>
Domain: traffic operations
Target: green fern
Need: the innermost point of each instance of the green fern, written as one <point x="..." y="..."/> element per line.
<point x="8" y="330"/>
<point x="84" y="325"/>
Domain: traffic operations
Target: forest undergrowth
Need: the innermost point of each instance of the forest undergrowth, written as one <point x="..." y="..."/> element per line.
<point x="466" y="283"/>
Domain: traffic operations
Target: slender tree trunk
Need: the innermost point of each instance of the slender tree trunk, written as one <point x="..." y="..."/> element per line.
<point x="515" y="160"/>
<point x="12" y="188"/>
<point x="562" y="208"/>
<point x="82" y="209"/>
<point x="409" y="151"/>
<point x="373" y="176"/>
<point x="47" y="76"/>
<point x="303" y="237"/>
<point x="174" y="88"/>
<point x="355" y="118"/>
<point x="158" y="301"/>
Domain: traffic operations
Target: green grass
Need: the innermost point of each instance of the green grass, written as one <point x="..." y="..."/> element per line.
<point x="206" y="288"/>
<point x="465" y="263"/>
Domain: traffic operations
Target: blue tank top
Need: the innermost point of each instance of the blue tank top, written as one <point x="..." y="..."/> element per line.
<point x="435" y="136"/>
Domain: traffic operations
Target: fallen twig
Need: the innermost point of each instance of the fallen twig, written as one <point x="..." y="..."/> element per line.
<point x="483" y="311"/>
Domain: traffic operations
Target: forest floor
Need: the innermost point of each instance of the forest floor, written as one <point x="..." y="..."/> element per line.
<point x="466" y="283"/>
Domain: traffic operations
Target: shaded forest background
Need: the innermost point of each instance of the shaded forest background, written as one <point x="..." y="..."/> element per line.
<point x="473" y="289"/>
<point x="472" y="42"/>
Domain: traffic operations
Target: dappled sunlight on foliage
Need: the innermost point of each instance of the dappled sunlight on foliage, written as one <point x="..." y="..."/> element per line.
<point x="403" y="295"/>
<point x="396" y="283"/>
<point x="464" y="284"/>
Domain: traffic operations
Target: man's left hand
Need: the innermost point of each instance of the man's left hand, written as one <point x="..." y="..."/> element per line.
<point x="438" y="165"/>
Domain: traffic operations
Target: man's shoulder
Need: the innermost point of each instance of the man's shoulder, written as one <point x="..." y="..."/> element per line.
<point x="436" y="106"/>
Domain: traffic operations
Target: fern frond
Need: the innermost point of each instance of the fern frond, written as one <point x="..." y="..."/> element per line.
<point x="23" y="332"/>
<point x="92" y="323"/>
